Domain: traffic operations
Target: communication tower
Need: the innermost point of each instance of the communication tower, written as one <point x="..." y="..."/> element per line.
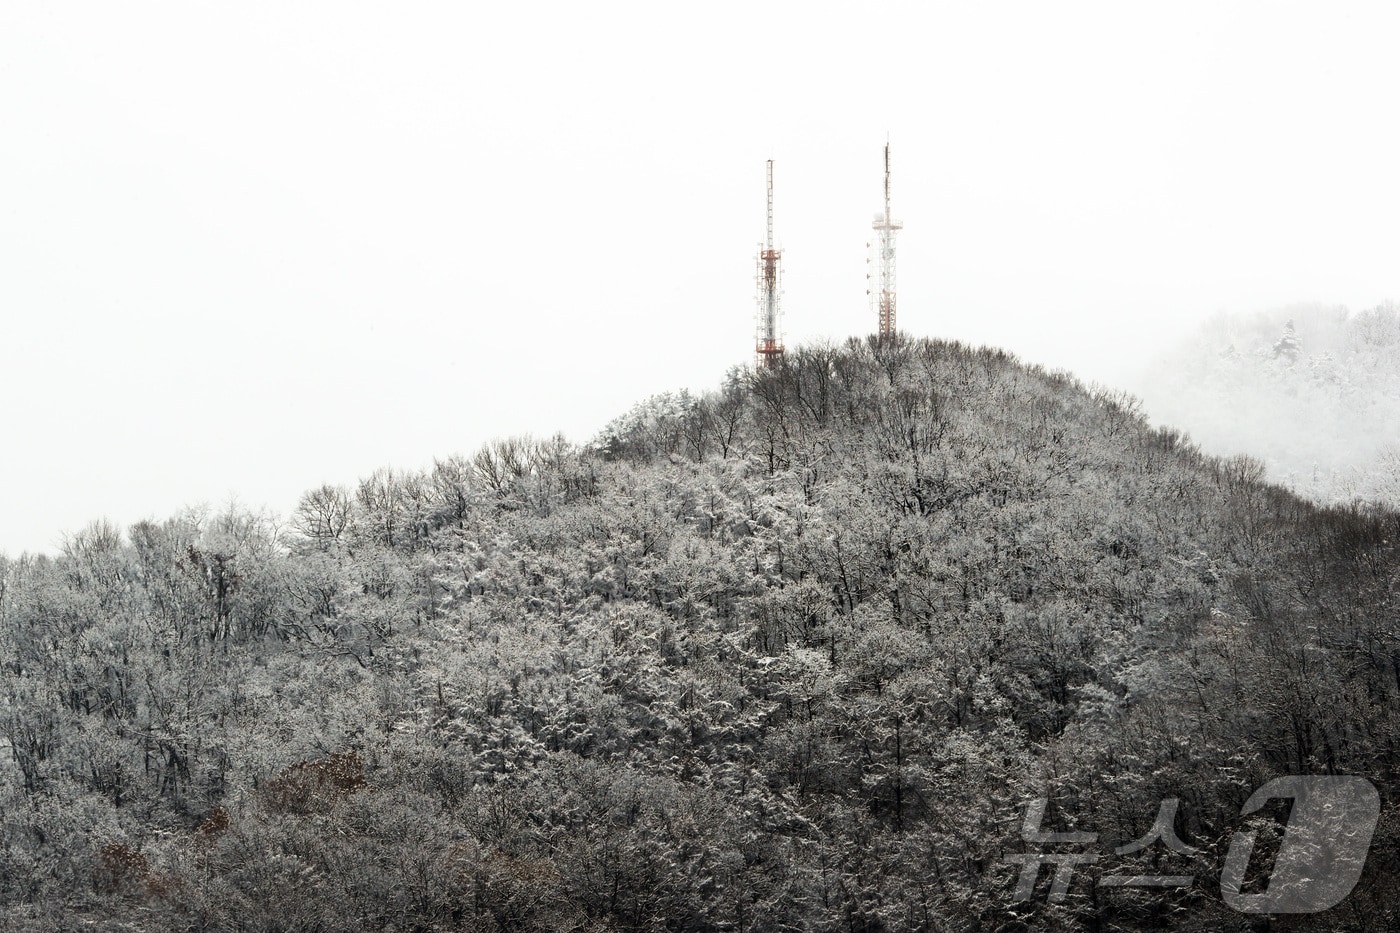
<point x="882" y="296"/>
<point x="769" y="336"/>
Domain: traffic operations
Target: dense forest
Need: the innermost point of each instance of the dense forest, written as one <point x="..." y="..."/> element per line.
<point x="797" y="654"/>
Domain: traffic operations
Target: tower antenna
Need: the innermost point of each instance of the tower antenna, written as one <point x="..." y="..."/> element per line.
<point x="885" y="227"/>
<point x="769" y="337"/>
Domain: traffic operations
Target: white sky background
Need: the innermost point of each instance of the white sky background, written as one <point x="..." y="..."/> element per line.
<point x="247" y="248"/>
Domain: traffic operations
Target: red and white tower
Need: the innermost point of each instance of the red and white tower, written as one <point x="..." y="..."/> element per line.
<point x="769" y="337"/>
<point x="882" y="296"/>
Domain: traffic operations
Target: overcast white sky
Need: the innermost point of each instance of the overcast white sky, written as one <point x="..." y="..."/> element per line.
<point x="247" y="248"/>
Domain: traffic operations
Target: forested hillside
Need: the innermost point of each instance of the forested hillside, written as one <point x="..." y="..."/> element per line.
<point x="795" y="655"/>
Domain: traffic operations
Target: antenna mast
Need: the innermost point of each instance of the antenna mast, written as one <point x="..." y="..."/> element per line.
<point x="885" y="226"/>
<point x="769" y="339"/>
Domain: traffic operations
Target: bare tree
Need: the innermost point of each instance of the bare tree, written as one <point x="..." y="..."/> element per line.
<point x="323" y="515"/>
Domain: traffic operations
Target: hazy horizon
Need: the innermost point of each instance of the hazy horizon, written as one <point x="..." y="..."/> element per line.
<point x="251" y="251"/>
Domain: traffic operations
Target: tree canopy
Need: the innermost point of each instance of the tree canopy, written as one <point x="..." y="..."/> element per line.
<point x="796" y="654"/>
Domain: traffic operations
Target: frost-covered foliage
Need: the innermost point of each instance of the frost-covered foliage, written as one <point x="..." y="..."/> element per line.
<point x="1313" y="392"/>
<point x="794" y="655"/>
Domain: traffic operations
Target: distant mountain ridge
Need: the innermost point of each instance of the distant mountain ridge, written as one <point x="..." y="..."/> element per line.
<point x="1312" y="391"/>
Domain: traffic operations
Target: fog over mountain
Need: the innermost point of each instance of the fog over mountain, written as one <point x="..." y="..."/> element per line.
<point x="252" y="248"/>
<point x="1312" y="391"/>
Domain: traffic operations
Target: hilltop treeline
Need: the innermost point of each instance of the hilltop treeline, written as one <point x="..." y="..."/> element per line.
<point x="795" y="655"/>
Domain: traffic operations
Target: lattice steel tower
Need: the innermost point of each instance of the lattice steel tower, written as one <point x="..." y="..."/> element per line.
<point x="882" y="297"/>
<point x="769" y="337"/>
